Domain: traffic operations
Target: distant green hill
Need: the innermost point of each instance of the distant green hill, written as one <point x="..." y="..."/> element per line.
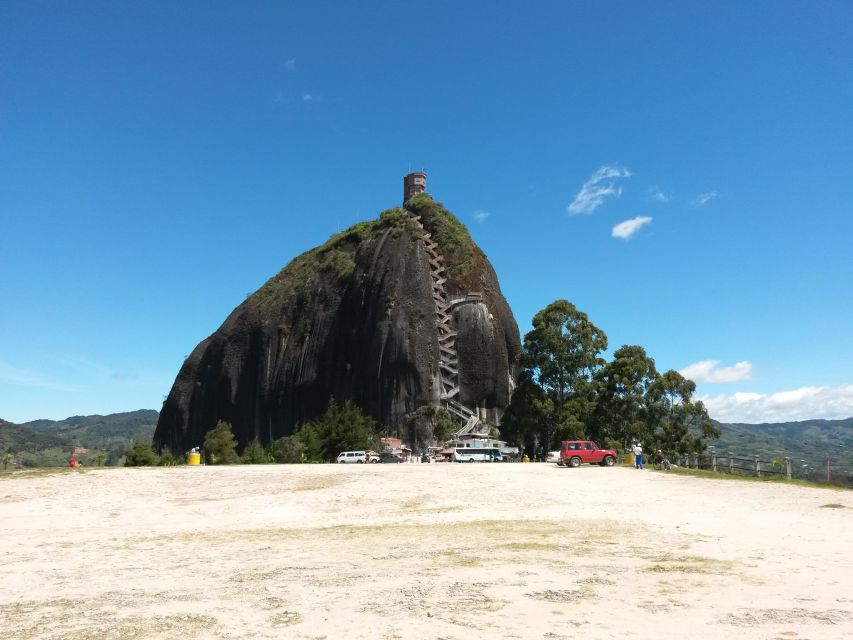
<point x="14" y="438"/>
<point x="50" y="442"/>
<point x="808" y="442"/>
<point x="99" y="432"/>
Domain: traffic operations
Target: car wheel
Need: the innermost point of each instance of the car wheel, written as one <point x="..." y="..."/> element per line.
<point x="608" y="461"/>
<point x="575" y="461"/>
<point x="471" y="460"/>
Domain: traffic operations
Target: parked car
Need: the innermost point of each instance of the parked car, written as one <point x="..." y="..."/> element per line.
<point x="389" y="457"/>
<point x="574" y="453"/>
<point x="353" y="457"/>
<point x="554" y="456"/>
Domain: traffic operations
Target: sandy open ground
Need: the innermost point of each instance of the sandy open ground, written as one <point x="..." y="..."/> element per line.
<point x="420" y="551"/>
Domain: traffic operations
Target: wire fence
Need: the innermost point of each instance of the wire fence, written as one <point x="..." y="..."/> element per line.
<point x="784" y="467"/>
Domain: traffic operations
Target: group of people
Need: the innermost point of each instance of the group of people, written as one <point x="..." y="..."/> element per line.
<point x="660" y="460"/>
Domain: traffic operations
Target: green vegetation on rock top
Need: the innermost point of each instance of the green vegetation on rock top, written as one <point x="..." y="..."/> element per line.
<point x="450" y="234"/>
<point x="335" y="256"/>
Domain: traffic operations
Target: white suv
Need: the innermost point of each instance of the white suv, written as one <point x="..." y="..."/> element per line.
<point x="359" y="457"/>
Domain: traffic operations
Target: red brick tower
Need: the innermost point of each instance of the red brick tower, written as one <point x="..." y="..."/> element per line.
<point x="413" y="183"/>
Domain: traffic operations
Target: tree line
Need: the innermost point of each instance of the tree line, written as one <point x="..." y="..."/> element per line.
<point x="343" y="427"/>
<point x="567" y="390"/>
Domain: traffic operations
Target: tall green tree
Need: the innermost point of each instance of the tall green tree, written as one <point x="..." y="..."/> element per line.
<point x="312" y="444"/>
<point x="624" y="385"/>
<point x="524" y="422"/>
<point x="220" y="445"/>
<point x="562" y="354"/>
<point x="680" y="424"/>
<point x="343" y="427"/>
<point x="6" y="459"/>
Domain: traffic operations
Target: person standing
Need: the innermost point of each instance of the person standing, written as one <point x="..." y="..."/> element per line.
<point x="638" y="456"/>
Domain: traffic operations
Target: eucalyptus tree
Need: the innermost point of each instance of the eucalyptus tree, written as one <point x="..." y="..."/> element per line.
<point x="622" y="411"/>
<point x="563" y="353"/>
<point x="680" y="423"/>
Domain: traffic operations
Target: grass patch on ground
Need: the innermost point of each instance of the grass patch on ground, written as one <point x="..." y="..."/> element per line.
<point x="38" y="472"/>
<point x="320" y="482"/>
<point x="832" y="505"/>
<point x="692" y="564"/>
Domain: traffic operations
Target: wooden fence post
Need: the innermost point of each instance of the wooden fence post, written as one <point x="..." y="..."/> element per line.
<point x="714" y="461"/>
<point x="757" y="467"/>
<point x="788" y="467"/>
<point x="731" y="461"/>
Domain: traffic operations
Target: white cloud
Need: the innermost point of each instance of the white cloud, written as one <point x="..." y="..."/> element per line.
<point x="805" y="403"/>
<point x="601" y="185"/>
<point x="625" y="230"/>
<point x="307" y="97"/>
<point x="290" y="65"/>
<point x="708" y="371"/>
<point x="481" y="216"/>
<point x="655" y="194"/>
<point x="704" y="198"/>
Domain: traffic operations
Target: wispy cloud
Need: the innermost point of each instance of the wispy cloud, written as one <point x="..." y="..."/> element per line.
<point x="626" y="230"/>
<point x="120" y="376"/>
<point x="704" y="198"/>
<point x="289" y="65"/>
<point x="32" y="379"/>
<point x="708" y="371"/>
<point x="656" y="194"/>
<point x="805" y="403"/>
<point x="481" y="216"/>
<point x="307" y="97"/>
<point x="601" y="184"/>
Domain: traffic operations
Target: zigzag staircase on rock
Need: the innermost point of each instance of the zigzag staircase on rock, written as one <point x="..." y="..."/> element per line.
<point x="449" y="359"/>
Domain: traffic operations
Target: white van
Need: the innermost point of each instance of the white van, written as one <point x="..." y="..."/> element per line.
<point x="358" y="457"/>
<point x="476" y="454"/>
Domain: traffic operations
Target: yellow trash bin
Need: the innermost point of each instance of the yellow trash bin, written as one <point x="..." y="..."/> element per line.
<point x="629" y="459"/>
<point x="193" y="457"/>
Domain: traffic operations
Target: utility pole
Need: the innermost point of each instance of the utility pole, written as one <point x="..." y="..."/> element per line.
<point x="829" y="468"/>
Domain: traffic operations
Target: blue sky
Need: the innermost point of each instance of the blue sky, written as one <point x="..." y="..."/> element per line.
<point x="681" y="171"/>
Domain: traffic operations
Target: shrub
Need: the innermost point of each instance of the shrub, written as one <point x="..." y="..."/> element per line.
<point x="141" y="455"/>
<point x="452" y="237"/>
<point x="287" y="450"/>
<point x="220" y="446"/>
<point x="254" y="453"/>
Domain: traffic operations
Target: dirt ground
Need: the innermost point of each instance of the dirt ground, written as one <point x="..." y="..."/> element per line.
<point x="420" y="551"/>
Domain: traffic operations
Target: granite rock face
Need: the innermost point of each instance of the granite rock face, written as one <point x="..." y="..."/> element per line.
<point x="353" y="319"/>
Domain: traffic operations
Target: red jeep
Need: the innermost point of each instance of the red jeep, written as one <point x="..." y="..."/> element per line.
<point x="576" y="452"/>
